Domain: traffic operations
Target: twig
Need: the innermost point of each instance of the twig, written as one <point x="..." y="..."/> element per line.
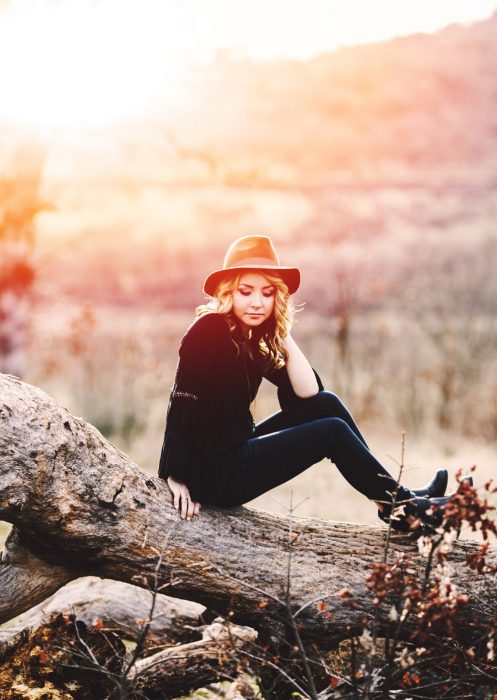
<point x="298" y="638"/>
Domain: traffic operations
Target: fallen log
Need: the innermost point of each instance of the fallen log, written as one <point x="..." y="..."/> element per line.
<point x="64" y="658"/>
<point x="80" y="506"/>
<point x="117" y="607"/>
<point x="47" y="662"/>
<point x="177" y="670"/>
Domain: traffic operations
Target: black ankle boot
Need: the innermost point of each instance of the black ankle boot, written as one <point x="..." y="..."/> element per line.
<point x="397" y="519"/>
<point x="436" y="487"/>
<point x="428" y="511"/>
<point x="427" y="515"/>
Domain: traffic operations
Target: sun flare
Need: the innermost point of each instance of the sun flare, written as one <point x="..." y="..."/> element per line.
<point x="86" y="64"/>
<point x="80" y="63"/>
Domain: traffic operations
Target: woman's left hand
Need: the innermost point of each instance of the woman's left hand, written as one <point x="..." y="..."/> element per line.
<point x="182" y="500"/>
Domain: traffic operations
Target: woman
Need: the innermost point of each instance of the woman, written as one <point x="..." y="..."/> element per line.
<point x="213" y="453"/>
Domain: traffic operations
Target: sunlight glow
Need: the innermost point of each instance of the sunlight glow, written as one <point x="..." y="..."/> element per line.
<point x="95" y="62"/>
<point x="86" y="64"/>
<point x="272" y="29"/>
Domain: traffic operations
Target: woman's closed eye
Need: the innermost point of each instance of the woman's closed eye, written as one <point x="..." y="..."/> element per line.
<point x="247" y="294"/>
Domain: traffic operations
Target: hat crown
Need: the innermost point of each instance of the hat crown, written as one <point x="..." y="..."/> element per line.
<point x="253" y="253"/>
<point x="251" y="250"/>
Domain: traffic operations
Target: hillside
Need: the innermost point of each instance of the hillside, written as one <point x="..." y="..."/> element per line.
<point x="362" y="152"/>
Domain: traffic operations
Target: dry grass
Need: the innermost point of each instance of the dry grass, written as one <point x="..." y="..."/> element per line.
<point x="115" y="368"/>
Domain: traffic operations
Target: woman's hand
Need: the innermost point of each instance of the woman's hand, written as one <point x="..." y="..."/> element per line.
<point x="182" y="500"/>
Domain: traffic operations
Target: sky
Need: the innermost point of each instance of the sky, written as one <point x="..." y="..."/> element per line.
<point x="269" y="29"/>
<point x="92" y="62"/>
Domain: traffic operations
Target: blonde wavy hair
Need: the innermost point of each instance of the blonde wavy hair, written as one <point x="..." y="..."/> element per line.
<point x="266" y="340"/>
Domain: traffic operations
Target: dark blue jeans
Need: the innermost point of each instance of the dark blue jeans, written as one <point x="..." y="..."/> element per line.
<point x="288" y="443"/>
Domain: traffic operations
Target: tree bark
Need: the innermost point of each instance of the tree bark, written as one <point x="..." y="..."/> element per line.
<point x="81" y="507"/>
<point x="52" y="660"/>
<point x="64" y="658"/>
<point x="116" y="607"/>
<point x="177" y="670"/>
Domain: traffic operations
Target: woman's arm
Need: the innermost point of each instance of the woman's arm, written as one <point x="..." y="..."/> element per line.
<point x="300" y="372"/>
<point x="206" y="339"/>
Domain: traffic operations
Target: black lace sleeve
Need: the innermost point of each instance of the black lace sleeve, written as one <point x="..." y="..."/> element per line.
<point x="200" y="347"/>
<point x="286" y="395"/>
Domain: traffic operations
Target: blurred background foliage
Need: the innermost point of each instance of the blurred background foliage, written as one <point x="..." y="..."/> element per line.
<point x="373" y="168"/>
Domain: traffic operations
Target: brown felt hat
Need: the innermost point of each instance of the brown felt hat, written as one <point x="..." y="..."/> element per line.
<point x="253" y="253"/>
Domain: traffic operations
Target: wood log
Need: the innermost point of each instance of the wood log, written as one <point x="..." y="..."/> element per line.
<point x="49" y="661"/>
<point x="80" y="506"/>
<point x="116" y="607"/>
<point x="177" y="670"/>
<point x="55" y="660"/>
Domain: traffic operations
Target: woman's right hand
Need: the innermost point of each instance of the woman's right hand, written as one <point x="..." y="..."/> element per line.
<point x="182" y="500"/>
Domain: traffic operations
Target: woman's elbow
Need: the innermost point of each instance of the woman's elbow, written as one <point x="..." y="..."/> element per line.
<point x="309" y="391"/>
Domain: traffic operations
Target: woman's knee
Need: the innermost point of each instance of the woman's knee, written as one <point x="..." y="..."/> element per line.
<point x="328" y="402"/>
<point x="328" y="430"/>
<point x="336" y="436"/>
<point x="337" y="426"/>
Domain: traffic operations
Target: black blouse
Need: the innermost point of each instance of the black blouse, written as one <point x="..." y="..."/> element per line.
<point x="209" y="405"/>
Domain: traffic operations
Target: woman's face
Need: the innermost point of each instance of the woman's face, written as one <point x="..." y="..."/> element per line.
<point x="253" y="299"/>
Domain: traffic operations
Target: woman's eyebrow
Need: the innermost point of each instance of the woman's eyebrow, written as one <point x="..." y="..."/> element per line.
<point x="268" y="286"/>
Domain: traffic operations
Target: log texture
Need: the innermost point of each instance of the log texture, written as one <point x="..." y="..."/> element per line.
<point x="116" y="607"/>
<point x="177" y="670"/>
<point x="52" y="660"/>
<point x="80" y="506"/>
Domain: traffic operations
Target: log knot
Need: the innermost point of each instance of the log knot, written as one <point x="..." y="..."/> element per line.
<point x="108" y="496"/>
<point x="5" y="410"/>
<point x="220" y="630"/>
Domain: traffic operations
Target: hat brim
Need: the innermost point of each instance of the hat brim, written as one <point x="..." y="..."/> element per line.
<point x="289" y="275"/>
